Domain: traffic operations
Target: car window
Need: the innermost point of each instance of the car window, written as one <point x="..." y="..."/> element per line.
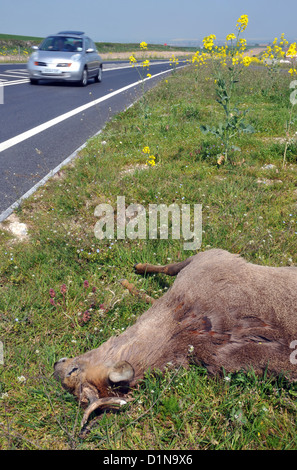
<point x="61" y="43"/>
<point x="87" y="43"/>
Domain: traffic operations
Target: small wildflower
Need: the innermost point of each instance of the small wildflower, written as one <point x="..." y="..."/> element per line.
<point x="242" y="22"/>
<point x="86" y="316"/>
<point x="63" y="289"/>
<point x="143" y="45"/>
<point x="246" y="61"/>
<point x="220" y="159"/>
<point x="133" y="61"/>
<point x="230" y="37"/>
<point x="52" y="293"/>
<point x="151" y="161"/>
<point x="21" y="379"/>
<point x="86" y="284"/>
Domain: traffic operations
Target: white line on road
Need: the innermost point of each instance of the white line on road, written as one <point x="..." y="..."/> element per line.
<point x="22" y="71"/>
<point x="52" y="122"/>
<point x="15" y="82"/>
<point x="17" y="203"/>
<point x="13" y="75"/>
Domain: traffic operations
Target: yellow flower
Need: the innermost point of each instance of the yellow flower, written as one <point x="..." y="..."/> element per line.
<point x="292" y="51"/>
<point x="143" y="45"/>
<point x="246" y="61"/>
<point x="242" y="43"/>
<point x="145" y="63"/>
<point x="230" y="37"/>
<point x="292" y="71"/>
<point x="242" y="22"/>
<point x="151" y="161"/>
<point x="146" y="149"/>
<point x="173" y="60"/>
<point x="132" y="59"/>
<point x="208" y="41"/>
<point x="149" y="75"/>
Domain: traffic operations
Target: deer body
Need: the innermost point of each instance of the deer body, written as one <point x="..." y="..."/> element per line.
<point x="221" y="312"/>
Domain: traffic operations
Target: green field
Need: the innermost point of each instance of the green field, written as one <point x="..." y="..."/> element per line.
<point x="249" y="207"/>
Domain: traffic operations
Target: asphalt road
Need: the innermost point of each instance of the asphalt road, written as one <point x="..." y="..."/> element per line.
<point x="42" y="126"/>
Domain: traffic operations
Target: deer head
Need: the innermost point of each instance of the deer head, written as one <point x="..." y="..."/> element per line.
<point x="94" y="386"/>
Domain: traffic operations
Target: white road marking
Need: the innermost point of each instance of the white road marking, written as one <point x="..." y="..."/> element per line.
<point x="12" y="75"/>
<point x="52" y="122"/>
<point x="26" y="80"/>
<point x="17" y="203"/>
<point x="15" y="82"/>
<point x="23" y="71"/>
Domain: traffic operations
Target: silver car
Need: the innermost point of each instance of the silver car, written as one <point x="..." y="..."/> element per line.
<point x="68" y="55"/>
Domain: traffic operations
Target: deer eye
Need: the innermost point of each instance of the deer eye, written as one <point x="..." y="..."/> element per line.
<point x="71" y="371"/>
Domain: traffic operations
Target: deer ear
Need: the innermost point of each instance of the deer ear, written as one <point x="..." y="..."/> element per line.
<point x="121" y="372"/>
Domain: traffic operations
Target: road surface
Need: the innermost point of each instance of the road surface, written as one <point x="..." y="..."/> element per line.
<point x="42" y="126"/>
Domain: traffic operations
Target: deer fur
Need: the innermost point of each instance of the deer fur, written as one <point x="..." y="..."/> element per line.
<point x="221" y="312"/>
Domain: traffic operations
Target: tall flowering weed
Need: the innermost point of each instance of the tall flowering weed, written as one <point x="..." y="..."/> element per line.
<point x="279" y="51"/>
<point x="227" y="62"/>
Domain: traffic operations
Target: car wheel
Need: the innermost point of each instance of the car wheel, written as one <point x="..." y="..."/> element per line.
<point x="98" y="77"/>
<point x="33" y="81"/>
<point x="84" y="78"/>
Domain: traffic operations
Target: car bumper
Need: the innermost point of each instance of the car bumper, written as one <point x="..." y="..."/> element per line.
<point x="37" y="72"/>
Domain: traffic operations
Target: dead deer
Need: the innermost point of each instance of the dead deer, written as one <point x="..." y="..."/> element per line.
<point x="229" y="313"/>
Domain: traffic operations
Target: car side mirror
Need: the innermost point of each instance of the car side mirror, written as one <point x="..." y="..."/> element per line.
<point x="90" y="50"/>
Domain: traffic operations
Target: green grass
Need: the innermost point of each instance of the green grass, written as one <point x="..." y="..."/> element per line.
<point x="247" y="209"/>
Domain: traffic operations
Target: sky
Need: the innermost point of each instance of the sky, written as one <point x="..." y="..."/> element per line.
<point x="152" y="21"/>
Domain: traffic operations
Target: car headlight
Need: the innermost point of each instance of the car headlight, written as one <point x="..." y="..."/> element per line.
<point x="76" y="58"/>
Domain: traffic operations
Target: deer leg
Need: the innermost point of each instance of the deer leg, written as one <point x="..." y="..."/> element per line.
<point x="132" y="289"/>
<point x="169" y="269"/>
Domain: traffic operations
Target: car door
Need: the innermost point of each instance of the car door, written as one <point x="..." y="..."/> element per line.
<point x="95" y="55"/>
<point x="91" y="61"/>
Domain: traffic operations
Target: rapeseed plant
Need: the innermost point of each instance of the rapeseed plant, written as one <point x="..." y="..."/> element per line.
<point x="151" y="160"/>
<point x="227" y="62"/>
<point x="174" y="62"/>
<point x="292" y="54"/>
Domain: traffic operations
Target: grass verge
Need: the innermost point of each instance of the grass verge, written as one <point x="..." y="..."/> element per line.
<point x="249" y="207"/>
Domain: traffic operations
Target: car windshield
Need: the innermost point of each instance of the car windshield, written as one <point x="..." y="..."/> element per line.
<point x="62" y="43"/>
